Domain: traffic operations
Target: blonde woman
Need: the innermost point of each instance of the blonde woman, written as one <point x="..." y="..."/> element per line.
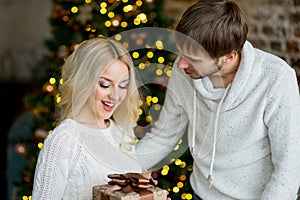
<point x="94" y="137"/>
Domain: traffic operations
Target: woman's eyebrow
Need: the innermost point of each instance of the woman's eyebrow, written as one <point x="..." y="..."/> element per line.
<point x="107" y="79"/>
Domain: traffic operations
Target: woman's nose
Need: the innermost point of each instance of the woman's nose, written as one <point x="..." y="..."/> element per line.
<point x="114" y="94"/>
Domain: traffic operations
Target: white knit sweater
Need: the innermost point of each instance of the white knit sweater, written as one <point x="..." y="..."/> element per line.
<point x="247" y="137"/>
<point x="75" y="158"/>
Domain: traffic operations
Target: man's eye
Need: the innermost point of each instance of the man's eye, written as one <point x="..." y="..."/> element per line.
<point x="103" y="85"/>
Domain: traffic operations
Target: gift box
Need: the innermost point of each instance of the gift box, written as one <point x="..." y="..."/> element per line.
<point x="130" y="186"/>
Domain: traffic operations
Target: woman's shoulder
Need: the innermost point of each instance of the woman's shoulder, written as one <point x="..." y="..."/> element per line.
<point x="65" y="132"/>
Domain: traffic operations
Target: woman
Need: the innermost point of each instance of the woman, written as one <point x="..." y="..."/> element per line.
<point x="97" y="113"/>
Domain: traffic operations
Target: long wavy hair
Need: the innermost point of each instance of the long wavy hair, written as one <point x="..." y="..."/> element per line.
<point x="80" y="74"/>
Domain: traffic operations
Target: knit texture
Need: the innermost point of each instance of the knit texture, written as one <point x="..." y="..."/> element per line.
<point x="258" y="142"/>
<point x="75" y="158"/>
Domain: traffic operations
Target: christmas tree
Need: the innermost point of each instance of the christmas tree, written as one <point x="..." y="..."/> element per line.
<point x="141" y="27"/>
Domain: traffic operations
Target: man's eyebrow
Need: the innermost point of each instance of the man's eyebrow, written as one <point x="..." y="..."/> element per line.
<point x="190" y="58"/>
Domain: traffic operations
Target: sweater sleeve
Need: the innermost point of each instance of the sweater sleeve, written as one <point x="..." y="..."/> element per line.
<point x="52" y="166"/>
<point x="282" y="118"/>
<point x="167" y="130"/>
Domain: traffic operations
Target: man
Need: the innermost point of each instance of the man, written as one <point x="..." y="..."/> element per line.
<point x="238" y="105"/>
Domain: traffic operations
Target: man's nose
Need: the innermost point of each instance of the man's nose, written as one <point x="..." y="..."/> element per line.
<point x="183" y="63"/>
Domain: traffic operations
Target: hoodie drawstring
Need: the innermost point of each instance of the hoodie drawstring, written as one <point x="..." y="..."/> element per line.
<point x="209" y="178"/>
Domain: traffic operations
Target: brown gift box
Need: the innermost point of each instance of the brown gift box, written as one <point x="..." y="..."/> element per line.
<point x="130" y="186"/>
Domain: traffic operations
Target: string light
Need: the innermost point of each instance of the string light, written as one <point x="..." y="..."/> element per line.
<point x="142" y="66"/>
<point x="159" y="72"/>
<point x="74" y="9"/>
<point x="124" y="24"/>
<point x="135" y="55"/>
<point x="138" y="3"/>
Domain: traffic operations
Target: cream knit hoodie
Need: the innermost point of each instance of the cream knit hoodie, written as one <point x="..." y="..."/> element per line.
<point x="246" y="137"/>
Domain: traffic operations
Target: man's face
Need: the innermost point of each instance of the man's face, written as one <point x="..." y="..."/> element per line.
<point x="197" y="65"/>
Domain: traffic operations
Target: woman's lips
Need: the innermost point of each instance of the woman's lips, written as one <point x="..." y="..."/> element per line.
<point x="108" y="106"/>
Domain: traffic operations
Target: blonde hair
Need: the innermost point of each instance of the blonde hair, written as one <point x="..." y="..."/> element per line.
<point x="80" y="73"/>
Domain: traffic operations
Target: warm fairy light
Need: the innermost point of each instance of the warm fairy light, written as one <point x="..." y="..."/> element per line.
<point x="138" y="3"/>
<point x="40" y="145"/>
<point x="179" y="141"/>
<point x="107" y="23"/>
<point x="189" y="196"/>
<point x="166" y="167"/>
<point x="115" y="22"/>
<point x="148" y="98"/>
<point x="88" y="1"/>
<point x="118" y="37"/>
<point x="182" y="177"/>
<point x="103" y="11"/>
<point x="125" y="1"/>
<point x="190" y="168"/>
<point x="175" y="189"/>
<point x="176" y="147"/>
<point x="49" y="88"/>
<point x="180" y="184"/>
<point x="159" y="44"/>
<point x="61" y="81"/>
<point x="161" y="59"/>
<point x="159" y="72"/>
<point x="135" y="55"/>
<point x="140" y="111"/>
<point x="66" y="18"/>
<point x="111" y="14"/>
<point x="52" y="81"/>
<point x="137" y="21"/>
<point x="58" y="99"/>
<point x="142" y="16"/>
<point x="139" y="41"/>
<point x="150" y="54"/>
<point x="156" y="107"/>
<point x="154" y="99"/>
<point x="142" y="66"/>
<point x="160" y="66"/>
<point x="168" y="73"/>
<point x="26" y="197"/>
<point x="88" y="27"/>
<point x="147" y="63"/>
<point x="177" y="161"/>
<point x="183" y="196"/>
<point x="74" y="9"/>
<point x="183" y="164"/>
<point x="128" y="8"/>
<point x="103" y="5"/>
<point x="124" y="24"/>
<point x="148" y="118"/>
<point x="164" y="172"/>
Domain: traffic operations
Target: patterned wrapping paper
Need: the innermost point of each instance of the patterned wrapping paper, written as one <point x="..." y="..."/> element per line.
<point x="155" y="194"/>
<point x="129" y="186"/>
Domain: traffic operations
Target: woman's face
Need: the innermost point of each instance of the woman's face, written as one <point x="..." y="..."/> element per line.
<point x="110" y="91"/>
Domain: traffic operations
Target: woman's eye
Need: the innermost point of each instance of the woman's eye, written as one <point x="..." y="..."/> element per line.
<point x="123" y="86"/>
<point x="103" y="85"/>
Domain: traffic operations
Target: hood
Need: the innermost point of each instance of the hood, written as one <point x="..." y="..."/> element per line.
<point x="240" y="87"/>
